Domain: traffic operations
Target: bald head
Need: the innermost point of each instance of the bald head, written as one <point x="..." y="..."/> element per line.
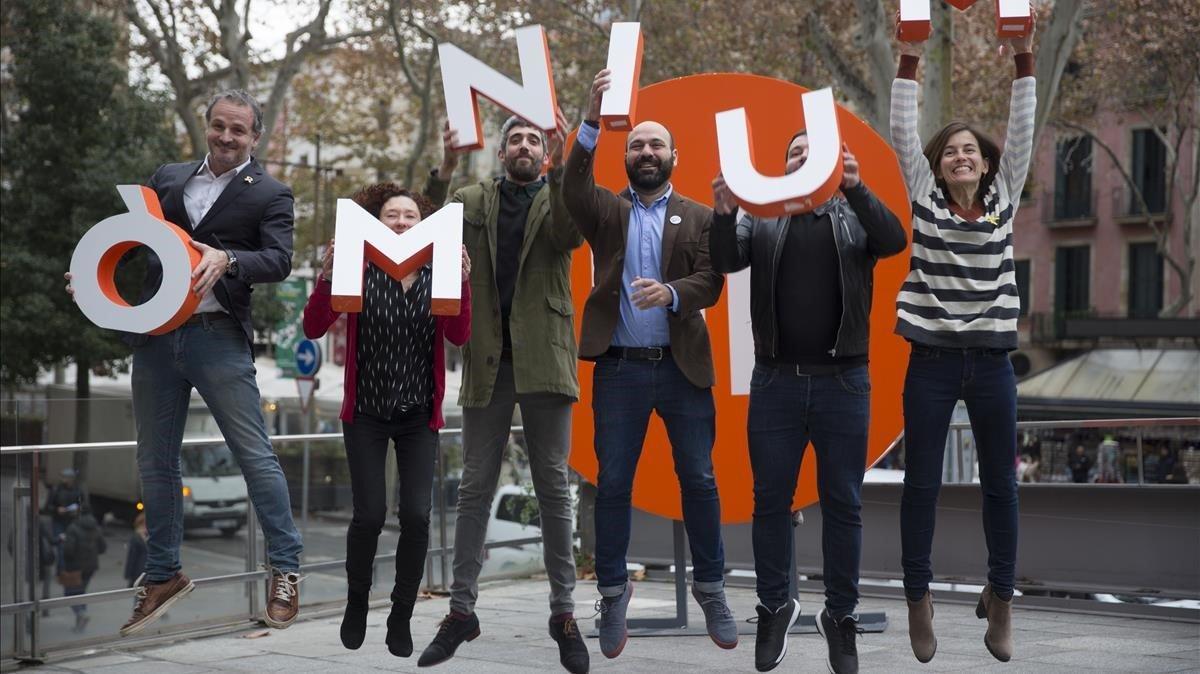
<point x="650" y="130"/>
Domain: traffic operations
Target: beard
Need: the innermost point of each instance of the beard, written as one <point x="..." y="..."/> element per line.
<point x="526" y="171"/>
<point x="649" y="181"/>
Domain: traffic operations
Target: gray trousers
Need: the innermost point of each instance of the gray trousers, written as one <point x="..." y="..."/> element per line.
<point x="547" y="421"/>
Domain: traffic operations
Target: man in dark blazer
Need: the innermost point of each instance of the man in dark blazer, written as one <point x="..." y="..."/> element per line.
<point x="643" y="328"/>
<point x="241" y="220"/>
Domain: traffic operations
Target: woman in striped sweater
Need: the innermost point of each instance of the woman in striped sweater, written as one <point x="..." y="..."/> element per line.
<point x="958" y="307"/>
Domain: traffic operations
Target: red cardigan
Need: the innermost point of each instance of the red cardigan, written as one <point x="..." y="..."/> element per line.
<point x="319" y="315"/>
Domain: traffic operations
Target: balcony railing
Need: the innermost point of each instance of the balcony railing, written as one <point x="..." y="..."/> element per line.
<point x="1066" y="213"/>
<point x="34" y="623"/>
<point x="1047" y="328"/>
<point x="230" y="570"/>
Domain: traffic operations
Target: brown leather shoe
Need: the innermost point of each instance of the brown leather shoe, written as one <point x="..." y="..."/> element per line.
<point x="920" y="628"/>
<point x="153" y="600"/>
<point x="283" y="599"/>
<point x="998" y="612"/>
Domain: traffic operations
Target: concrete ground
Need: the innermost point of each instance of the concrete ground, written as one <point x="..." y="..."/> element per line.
<point x="513" y="616"/>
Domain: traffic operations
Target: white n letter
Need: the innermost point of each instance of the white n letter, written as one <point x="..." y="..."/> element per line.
<point x="361" y="237"/>
<point x="619" y="103"/>
<point x="464" y="76"/>
<point x="798" y="192"/>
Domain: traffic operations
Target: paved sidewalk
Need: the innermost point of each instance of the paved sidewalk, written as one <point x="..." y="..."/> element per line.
<point x="513" y="617"/>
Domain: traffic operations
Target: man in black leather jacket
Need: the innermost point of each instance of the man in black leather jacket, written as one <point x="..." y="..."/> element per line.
<point x="810" y="305"/>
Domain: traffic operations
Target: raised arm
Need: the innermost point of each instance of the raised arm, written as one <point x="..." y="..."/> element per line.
<point x="905" y="121"/>
<point x="583" y="199"/>
<point x="728" y="239"/>
<point x="1018" y="141"/>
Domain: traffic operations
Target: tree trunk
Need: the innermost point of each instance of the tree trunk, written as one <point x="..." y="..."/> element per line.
<point x="1054" y="51"/>
<point x="938" y="108"/>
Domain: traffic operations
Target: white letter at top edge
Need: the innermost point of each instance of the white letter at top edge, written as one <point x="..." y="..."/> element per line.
<point x="625" y="63"/>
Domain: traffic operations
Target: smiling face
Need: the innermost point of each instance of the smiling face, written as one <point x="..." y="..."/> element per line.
<point x="400" y="214"/>
<point x="649" y="156"/>
<point x="522" y="154"/>
<point x="961" y="163"/>
<point x="230" y="135"/>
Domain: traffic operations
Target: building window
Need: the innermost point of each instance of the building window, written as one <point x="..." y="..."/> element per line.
<point x="1072" y="278"/>
<point x="1149" y="171"/>
<point x="1023" y="285"/>
<point x="1145" y="280"/>
<point x="1073" y="179"/>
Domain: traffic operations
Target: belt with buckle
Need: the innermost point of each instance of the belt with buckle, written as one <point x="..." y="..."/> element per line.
<point x="211" y="316"/>
<point x="638" y="353"/>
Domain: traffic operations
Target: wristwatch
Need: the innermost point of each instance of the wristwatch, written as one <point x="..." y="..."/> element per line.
<point x="232" y="268"/>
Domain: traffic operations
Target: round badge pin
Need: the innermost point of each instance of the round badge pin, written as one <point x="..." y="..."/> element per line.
<point x="675" y="219"/>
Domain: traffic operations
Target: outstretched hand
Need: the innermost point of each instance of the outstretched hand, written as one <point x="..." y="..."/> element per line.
<point x="557" y="140"/>
<point x="916" y="48"/>
<point x="1021" y="45"/>
<point x="601" y="84"/>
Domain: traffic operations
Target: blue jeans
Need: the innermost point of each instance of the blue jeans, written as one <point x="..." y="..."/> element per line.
<point x="624" y="393"/>
<point x="787" y="410"/>
<point x="937" y="379"/>
<point x="213" y="357"/>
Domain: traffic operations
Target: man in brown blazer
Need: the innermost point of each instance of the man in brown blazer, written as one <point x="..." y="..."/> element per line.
<point x="642" y="326"/>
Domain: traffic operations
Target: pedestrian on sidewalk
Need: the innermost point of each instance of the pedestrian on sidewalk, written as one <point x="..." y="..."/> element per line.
<point x="83" y="543"/>
<point x="395" y="378"/>
<point x="135" y="551"/>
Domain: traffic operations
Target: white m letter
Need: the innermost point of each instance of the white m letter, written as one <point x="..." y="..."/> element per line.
<point x="361" y="237"/>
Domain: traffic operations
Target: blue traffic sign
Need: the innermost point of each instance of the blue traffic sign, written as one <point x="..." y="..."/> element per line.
<point x="308" y="358"/>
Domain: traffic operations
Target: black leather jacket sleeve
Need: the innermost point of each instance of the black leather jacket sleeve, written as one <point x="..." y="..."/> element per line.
<point x="729" y="242"/>
<point x="885" y="235"/>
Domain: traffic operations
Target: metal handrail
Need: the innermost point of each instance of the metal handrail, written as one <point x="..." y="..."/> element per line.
<point x="252" y="573"/>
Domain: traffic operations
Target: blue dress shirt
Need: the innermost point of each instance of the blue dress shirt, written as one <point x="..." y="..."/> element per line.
<point x="643" y="259"/>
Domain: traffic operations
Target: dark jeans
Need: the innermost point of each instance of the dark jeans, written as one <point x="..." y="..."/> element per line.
<point x="77" y="590"/>
<point x="787" y="411"/>
<point x="624" y="393"/>
<point x="937" y="379"/>
<point x="214" y="358"/>
<point x="366" y="453"/>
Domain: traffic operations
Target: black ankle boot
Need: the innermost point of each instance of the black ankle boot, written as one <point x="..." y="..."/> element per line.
<point x="399" y="638"/>
<point x="354" y="620"/>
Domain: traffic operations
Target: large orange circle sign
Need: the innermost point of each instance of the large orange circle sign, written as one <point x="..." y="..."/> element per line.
<point x="687" y="107"/>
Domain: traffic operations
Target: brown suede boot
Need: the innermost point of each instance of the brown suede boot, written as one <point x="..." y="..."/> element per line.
<point x="920" y="628"/>
<point x="998" y="612"/>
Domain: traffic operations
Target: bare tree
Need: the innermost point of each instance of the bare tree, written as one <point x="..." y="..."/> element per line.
<point x="201" y="45"/>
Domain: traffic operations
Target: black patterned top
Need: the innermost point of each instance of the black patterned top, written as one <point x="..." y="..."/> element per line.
<point x="395" y="345"/>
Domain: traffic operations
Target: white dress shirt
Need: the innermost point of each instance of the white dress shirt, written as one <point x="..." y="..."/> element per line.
<point x="199" y="194"/>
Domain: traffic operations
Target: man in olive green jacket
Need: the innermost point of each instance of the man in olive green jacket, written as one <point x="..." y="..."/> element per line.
<point x="522" y="352"/>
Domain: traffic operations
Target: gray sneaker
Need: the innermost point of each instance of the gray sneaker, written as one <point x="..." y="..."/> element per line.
<point x="613" y="633"/>
<point x="722" y="628"/>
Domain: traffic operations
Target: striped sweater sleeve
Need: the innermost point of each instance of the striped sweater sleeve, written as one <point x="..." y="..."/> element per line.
<point x="906" y="140"/>
<point x="1018" y="141"/>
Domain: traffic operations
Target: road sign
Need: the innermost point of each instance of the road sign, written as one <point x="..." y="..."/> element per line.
<point x="308" y="358"/>
<point x="305" y="386"/>
<point x="292" y="295"/>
